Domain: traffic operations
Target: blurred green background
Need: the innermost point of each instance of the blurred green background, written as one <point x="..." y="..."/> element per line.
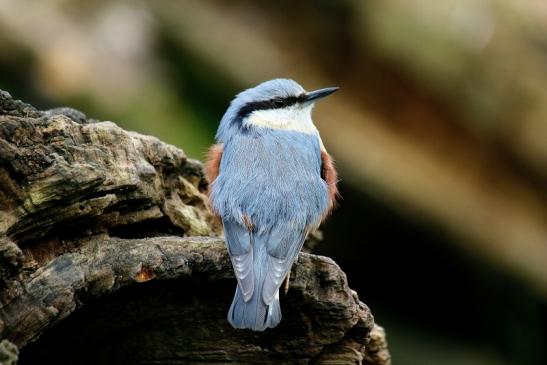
<point x="439" y="131"/>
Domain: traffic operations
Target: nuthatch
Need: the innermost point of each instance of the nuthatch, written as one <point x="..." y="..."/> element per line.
<point x="272" y="182"/>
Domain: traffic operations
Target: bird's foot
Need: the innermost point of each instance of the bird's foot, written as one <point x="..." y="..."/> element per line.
<point x="286" y="283"/>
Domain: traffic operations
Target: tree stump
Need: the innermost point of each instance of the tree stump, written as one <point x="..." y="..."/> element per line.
<point x="109" y="254"/>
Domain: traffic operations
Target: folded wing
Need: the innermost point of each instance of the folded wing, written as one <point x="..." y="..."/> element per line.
<point x="283" y="245"/>
<point x="238" y="240"/>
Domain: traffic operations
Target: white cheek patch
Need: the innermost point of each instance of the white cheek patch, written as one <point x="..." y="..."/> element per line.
<point x="293" y="118"/>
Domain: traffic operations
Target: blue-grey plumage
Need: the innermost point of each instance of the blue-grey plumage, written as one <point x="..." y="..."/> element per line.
<point x="271" y="183"/>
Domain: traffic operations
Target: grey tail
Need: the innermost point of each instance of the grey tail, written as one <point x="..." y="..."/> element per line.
<point x="254" y="314"/>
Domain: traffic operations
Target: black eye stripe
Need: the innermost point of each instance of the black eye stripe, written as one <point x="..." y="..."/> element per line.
<point x="274" y="103"/>
<point x="279" y="103"/>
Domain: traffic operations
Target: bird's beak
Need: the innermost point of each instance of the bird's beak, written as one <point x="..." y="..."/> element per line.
<point x="313" y="96"/>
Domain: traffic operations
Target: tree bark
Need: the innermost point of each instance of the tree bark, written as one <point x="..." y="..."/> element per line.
<point x="109" y="254"/>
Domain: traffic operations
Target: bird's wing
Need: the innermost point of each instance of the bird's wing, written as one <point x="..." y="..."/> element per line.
<point x="283" y="245"/>
<point x="329" y="174"/>
<point x="212" y="164"/>
<point x="238" y="240"/>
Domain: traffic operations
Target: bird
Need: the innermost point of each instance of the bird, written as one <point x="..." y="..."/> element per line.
<point x="271" y="183"/>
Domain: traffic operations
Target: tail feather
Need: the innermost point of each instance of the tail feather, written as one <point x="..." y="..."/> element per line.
<point x="259" y="311"/>
<point x="274" y="312"/>
<point x="254" y="314"/>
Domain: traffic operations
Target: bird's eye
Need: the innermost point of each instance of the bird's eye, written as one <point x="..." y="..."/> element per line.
<point x="279" y="103"/>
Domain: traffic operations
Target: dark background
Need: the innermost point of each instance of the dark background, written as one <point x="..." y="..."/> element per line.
<point x="439" y="131"/>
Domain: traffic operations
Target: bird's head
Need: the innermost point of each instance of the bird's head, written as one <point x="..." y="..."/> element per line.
<point x="277" y="104"/>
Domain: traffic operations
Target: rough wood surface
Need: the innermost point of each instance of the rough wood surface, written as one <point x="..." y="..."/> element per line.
<point x="109" y="254"/>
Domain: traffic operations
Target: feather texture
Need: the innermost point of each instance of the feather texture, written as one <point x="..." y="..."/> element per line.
<point x="329" y="174"/>
<point x="256" y="313"/>
<point x="273" y="180"/>
<point x="212" y="162"/>
<point x="271" y="183"/>
<point x="271" y="176"/>
<point x="283" y="246"/>
<point x="238" y="240"/>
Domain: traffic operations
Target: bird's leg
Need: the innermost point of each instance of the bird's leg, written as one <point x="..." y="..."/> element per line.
<point x="286" y="283"/>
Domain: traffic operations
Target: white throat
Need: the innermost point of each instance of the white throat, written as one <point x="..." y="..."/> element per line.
<point x="292" y="118"/>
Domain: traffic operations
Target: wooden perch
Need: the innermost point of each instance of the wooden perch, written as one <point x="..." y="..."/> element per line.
<point x="108" y="254"/>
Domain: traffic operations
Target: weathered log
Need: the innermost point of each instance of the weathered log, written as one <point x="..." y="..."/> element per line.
<point x="106" y="234"/>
